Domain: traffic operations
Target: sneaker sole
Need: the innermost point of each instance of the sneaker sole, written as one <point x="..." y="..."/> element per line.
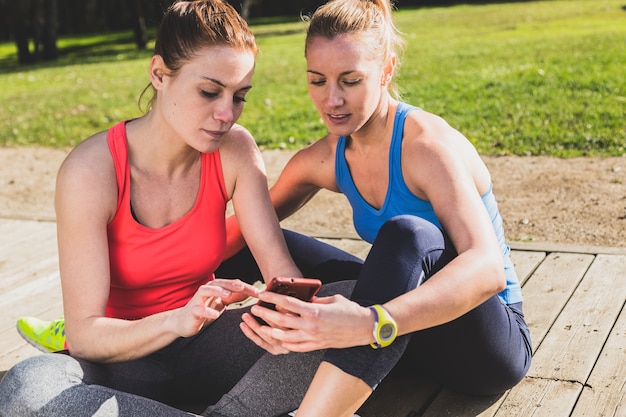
<point x="33" y="343"/>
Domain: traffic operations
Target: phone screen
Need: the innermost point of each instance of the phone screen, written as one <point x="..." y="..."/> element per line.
<point x="302" y="288"/>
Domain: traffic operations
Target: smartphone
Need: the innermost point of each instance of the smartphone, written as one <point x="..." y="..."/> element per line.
<point x="301" y="288"/>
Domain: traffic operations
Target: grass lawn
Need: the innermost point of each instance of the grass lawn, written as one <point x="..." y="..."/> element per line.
<point x="543" y="77"/>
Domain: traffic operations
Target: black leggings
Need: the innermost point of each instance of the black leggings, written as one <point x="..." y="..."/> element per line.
<point x="484" y="352"/>
<point x="219" y="368"/>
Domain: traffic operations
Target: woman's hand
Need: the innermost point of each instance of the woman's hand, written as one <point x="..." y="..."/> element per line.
<point x="208" y="304"/>
<point x="299" y="326"/>
<point x="254" y="331"/>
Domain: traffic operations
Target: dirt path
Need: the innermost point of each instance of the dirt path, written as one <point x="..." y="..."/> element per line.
<point x="572" y="201"/>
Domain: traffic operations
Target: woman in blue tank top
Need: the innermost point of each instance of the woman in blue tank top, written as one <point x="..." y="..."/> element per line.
<point x="438" y="289"/>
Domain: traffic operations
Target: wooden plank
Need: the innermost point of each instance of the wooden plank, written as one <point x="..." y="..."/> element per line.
<point x="30" y="298"/>
<point x="11" y="358"/>
<point x="605" y="391"/>
<point x="29" y="282"/>
<point x="549" y="288"/>
<point x="572" y="347"/>
<point x="549" y="282"/>
<point x="26" y="249"/>
<point x="526" y="263"/>
<point x="564" y="248"/>
<point x="10" y="339"/>
<point x="20" y="231"/>
<point x="29" y="271"/>
<point x="537" y="397"/>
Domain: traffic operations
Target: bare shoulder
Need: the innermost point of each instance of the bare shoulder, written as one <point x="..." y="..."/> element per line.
<point x="441" y="148"/>
<point x="239" y="146"/>
<point x="423" y="126"/>
<point x="88" y="173"/>
<point x="315" y="163"/>
<point x="429" y="132"/>
<point x="241" y="158"/>
<point x="322" y="150"/>
<point x="90" y="156"/>
<point x="239" y="133"/>
<point x="319" y="155"/>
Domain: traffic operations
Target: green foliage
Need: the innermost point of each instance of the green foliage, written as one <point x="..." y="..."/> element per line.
<point x="542" y="77"/>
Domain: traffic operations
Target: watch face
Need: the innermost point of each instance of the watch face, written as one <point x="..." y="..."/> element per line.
<point x="386" y="332"/>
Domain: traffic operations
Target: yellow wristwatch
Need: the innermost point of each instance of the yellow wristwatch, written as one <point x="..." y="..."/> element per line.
<point x="385" y="328"/>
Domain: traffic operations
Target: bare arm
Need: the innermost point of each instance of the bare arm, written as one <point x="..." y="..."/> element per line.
<point x="85" y="202"/>
<point x="256" y="217"/>
<point x="477" y="272"/>
<point x="451" y="182"/>
<point x="305" y="174"/>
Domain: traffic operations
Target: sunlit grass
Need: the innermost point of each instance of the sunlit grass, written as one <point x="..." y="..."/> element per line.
<point x="541" y="77"/>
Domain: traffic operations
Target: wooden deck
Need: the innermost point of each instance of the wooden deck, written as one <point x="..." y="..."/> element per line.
<point x="574" y="299"/>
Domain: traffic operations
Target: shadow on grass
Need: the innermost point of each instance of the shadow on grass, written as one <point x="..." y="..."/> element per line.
<point x="92" y="49"/>
<point x="110" y="47"/>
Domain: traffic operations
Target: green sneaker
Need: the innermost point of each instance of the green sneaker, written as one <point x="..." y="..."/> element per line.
<point x="47" y="336"/>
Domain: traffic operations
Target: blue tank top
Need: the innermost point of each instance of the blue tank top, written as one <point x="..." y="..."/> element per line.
<point x="400" y="200"/>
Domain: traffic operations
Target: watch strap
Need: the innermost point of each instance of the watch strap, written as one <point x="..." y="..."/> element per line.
<point x="382" y="318"/>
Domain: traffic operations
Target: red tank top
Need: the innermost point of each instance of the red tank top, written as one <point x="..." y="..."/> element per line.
<point x="154" y="270"/>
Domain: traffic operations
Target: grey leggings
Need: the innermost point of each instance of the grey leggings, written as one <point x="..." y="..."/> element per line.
<point x="219" y="370"/>
<point x="218" y="366"/>
<point x="485" y="351"/>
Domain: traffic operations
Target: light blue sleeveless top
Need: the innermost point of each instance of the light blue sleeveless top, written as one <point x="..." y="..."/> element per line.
<point x="399" y="200"/>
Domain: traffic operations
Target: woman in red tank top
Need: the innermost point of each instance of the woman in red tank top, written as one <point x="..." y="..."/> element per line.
<point x="141" y="229"/>
<point x="141" y="207"/>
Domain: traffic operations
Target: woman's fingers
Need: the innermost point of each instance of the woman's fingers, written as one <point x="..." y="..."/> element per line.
<point x="228" y="290"/>
<point x="260" y="335"/>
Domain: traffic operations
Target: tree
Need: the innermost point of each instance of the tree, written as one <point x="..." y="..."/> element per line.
<point x="49" y="24"/>
<point x="17" y="16"/>
<point x="139" y="24"/>
<point x="35" y="20"/>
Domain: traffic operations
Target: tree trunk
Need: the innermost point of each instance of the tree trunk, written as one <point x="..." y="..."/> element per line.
<point x="139" y="24"/>
<point x="49" y="32"/>
<point x="21" y="42"/>
<point x="19" y="21"/>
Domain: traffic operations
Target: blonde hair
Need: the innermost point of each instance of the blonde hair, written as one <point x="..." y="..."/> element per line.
<point x="189" y="26"/>
<point x="372" y="17"/>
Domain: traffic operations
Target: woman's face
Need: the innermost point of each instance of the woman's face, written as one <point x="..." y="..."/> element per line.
<point x="203" y="100"/>
<point x="345" y="82"/>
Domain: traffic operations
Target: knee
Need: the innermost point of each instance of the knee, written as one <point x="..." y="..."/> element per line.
<point x="408" y="226"/>
<point x="23" y="389"/>
<point x="19" y="382"/>
<point x="411" y="232"/>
